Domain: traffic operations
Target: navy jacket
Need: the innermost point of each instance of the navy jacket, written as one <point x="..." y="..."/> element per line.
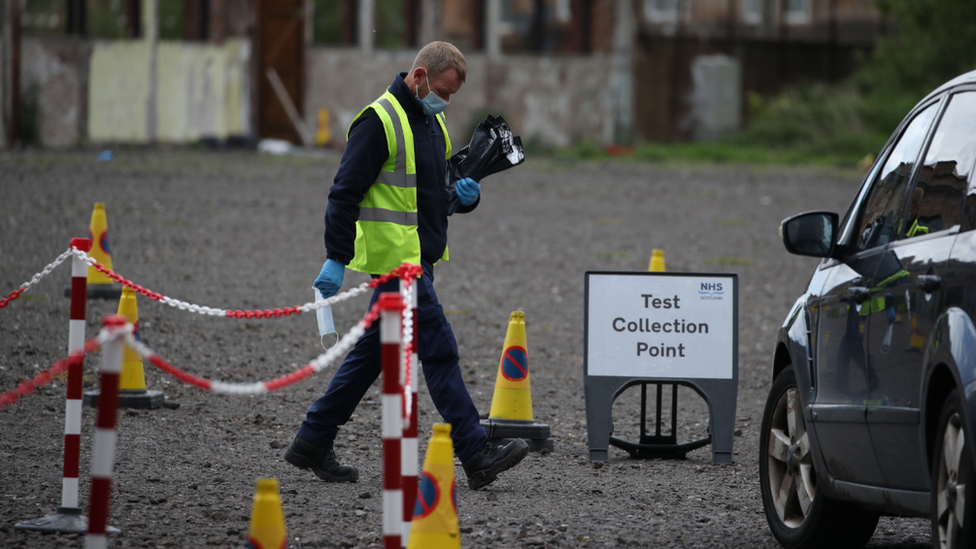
<point x="365" y="153"/>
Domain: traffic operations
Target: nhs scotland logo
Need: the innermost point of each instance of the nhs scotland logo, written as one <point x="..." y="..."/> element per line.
<point x="711" y="291"/>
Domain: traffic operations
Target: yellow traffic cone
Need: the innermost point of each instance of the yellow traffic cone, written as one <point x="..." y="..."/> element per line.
<point x="267" y="529"/>
<point x="101" y="250"/>
<point x="511" y="405"/>
<point x="322" y="133"/>
<point x="133" y="377"/>
<point x="435" y="520"/>
<point x="132" y="381"/>
<point x="100" y="285"/>
<point x="657" y="261"/>
<point x="513" y="395"/>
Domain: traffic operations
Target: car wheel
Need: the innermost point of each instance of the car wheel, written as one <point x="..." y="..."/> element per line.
<point x="952" y="467"/>
<point x="798" y="514"/>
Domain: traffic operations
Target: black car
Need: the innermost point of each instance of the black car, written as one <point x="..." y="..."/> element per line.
<point x="873" y="399"/>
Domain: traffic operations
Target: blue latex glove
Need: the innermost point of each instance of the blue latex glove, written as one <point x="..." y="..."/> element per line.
<point x="467" y="190"/>
<point x="330" y="278"/>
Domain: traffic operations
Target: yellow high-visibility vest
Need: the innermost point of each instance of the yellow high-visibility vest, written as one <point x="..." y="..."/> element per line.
<point x="387" y="231"/>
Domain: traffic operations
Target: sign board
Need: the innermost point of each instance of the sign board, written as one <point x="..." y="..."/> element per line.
<point x="679" y="328"/>
<point x="660" y="326"/>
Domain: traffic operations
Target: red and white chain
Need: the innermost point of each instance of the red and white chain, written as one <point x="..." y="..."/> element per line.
<point x="211" y="311"/>
<point x="36" y="278"/>
<point x="407" y="287"/>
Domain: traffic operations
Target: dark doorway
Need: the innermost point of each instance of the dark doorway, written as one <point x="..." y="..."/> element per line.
<point x="281" y="47"/>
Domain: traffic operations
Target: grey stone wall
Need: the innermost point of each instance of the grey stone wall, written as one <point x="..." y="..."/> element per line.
<point x="54" y="76"/>
<point x="552" y="100"/>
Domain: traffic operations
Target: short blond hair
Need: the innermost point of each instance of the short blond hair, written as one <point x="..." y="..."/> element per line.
<point x="440" y="57"/>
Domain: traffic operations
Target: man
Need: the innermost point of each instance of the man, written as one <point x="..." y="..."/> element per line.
<point x="387" y="207"/>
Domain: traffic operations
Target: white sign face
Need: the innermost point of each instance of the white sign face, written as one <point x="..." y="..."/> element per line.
<point x="673" y="326"/>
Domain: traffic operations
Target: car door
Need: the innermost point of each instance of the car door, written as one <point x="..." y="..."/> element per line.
<point x="844" y="374"/>
<point x="911" y="300"/>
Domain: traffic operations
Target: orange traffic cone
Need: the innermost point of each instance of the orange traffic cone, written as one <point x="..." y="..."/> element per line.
<point x="132" y="382"/>
<point x="267" y="529"/>
<point x="100" y="285"/>
<point x="511" y="404"/>
<point x="435" y="519"/>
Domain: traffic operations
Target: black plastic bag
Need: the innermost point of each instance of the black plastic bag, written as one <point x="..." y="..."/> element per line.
<point x="492" y="149"/>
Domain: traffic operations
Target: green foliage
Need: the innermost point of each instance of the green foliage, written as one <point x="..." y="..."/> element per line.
<point x="935" y="41"/>
<point x="171" y="15"/>
<point x="106" y="19"/>
<point x="824" y="120"/>
<point x="389" y="23"/>
<point x="327" y="22"/>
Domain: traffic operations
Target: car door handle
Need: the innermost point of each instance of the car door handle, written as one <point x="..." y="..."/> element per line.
<point x="858" y="294"/>
<point x="929" y="283"/>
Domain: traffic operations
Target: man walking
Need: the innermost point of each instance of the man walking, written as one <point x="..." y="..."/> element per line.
<point x="386" y="207"/>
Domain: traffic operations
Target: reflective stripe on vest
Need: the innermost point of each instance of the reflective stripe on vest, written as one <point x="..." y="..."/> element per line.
<point x="386" y="231"/>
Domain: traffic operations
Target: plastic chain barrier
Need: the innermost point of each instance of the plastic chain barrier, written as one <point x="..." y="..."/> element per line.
<point x="43" y="378"/>
<point x="226" y="388"/>
<point x="47" y="270"/>
<point x="219" y="387"/>
<point x="406" y="272"/>
<point x="406" y="292"/>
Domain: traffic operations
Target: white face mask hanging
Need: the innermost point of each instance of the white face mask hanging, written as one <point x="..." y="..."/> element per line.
<point x="324" y="317"/>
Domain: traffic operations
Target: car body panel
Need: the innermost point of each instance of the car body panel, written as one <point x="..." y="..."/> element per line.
<point x="873" y="371"/>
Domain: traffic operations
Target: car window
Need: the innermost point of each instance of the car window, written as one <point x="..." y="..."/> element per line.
<point x="885" y="203"/>
<point x="938" y="195"/>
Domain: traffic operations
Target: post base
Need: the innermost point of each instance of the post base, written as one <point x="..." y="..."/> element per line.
<point x="100" y="291"/>
<point x="502" y="431"/>
<point x="140" y="400"/>
<point x="67" y="520"/>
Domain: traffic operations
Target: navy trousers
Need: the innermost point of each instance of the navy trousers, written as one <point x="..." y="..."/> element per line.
<point x="438" y="353"/>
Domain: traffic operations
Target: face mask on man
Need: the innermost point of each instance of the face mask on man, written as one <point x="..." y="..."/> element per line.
<point x="433" y="103"/>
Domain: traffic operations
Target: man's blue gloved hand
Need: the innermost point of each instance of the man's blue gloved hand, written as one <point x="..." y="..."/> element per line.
<point x="467" y="190"/>
<point x="330" y="278"/>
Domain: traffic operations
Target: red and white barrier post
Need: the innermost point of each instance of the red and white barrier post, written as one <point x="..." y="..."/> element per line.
<point x="409" y="456"/>
<point x="72" y="410"/>
<point x="391" y="311"/>
<point x="68" y="518"/>
<point x="103" y="456"/>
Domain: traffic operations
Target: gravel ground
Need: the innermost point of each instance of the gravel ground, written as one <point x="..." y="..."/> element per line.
<point x="241" y="231"/>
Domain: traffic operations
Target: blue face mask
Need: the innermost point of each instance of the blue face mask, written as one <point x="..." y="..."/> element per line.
<point x="433" y="103"/>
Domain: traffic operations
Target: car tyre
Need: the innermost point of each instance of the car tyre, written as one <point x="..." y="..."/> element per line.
<point x="952" y="468"/>
<point x="799" y="515"/>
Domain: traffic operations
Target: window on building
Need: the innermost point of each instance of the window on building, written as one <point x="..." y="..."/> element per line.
<point x="798" y="12"/>
<point x="43" y="17"/>
<point x="172" y="15"/>
<point x="662" y="11"/>
<point x="564" y="11"/>
<point x="751" y="11"/>
<point x="106" y="18"/>
<point x="327" y="23"/>
<point x="390" y="24"/>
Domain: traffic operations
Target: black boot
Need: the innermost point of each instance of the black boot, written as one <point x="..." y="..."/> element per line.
<point x="483" y="467"/>
<point x="322" y="462"/>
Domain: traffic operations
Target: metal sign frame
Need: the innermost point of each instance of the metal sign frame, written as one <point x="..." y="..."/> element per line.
<point x="720" y="393"/>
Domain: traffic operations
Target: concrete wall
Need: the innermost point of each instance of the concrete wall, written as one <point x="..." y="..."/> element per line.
<point x="553" y="100"/>
<point x="54" y="76"/>
<point x="198" y="90"/>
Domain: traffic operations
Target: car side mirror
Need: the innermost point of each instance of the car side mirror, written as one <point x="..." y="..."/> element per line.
<point x="811" y="233"/>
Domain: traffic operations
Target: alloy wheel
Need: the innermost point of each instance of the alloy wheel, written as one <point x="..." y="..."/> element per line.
<point x="792" y="479"/>
<point x="951" y="486"/>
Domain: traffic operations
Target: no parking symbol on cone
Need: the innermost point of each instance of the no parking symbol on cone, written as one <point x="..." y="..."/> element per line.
<point x="435" y="519"/>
